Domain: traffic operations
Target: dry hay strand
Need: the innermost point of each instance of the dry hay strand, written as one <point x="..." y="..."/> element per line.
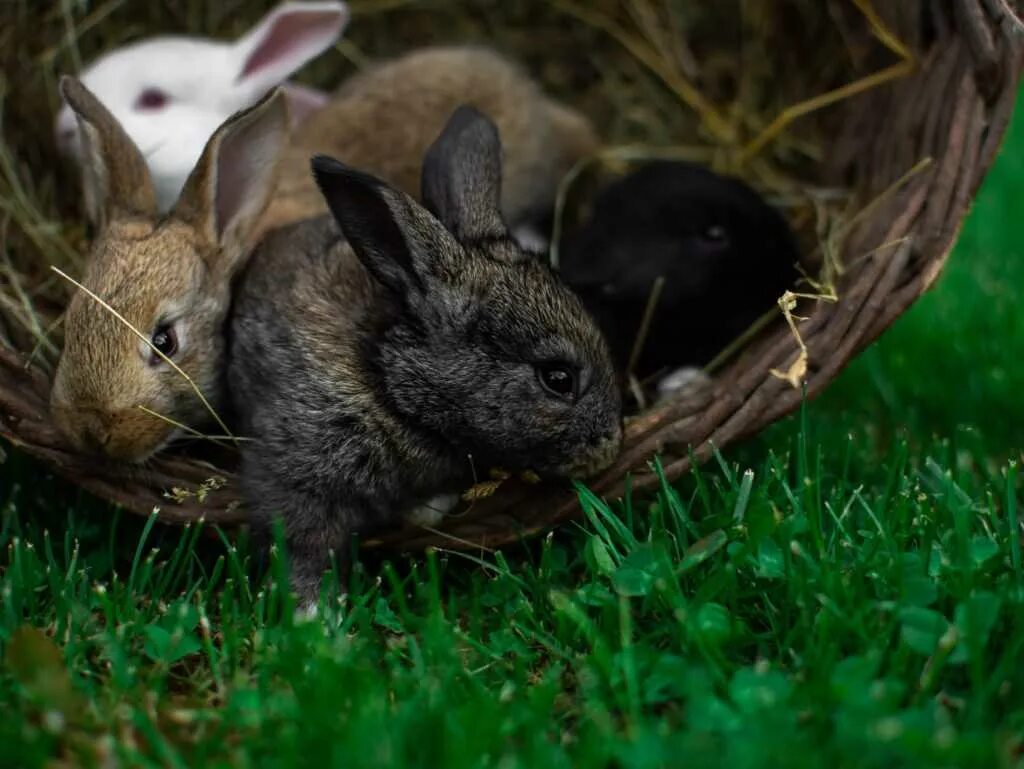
<point x="871" y="124"/>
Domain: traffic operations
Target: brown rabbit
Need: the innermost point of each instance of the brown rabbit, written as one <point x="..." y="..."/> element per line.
<point x="383" y="121"/>
<point x="170" y="277"/>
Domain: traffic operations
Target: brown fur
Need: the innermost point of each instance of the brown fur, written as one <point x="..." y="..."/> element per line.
<point x="122" y="188"/>
<point x="383" y="120"/>
<point x="152" y="270"/>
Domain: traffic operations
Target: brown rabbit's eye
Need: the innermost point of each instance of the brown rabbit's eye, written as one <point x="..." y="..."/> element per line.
<point x="151" y="98"/>
<point x="558" y="379"/>
<point x="164" y="340"/>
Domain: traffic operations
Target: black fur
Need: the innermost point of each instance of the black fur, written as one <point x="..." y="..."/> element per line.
<point x="656" y="222"/>
<point x="366" y="392"/>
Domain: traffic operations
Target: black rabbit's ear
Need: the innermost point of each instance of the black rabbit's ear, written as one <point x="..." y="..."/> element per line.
<point x="389" y="233"/>
<point x="461" y="181"/>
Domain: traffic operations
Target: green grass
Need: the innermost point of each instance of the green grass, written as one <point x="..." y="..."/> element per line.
<point x="846" y="590"/>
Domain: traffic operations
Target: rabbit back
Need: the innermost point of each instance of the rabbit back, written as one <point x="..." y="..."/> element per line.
<point x="384" y="119"/>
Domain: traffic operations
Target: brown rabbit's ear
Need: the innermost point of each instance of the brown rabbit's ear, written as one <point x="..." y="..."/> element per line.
<point x="461" y="182"/>
<point x="116" y="180"/>
<point x="232" y="183"/>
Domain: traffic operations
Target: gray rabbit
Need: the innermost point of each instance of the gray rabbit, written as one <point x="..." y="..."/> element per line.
<point x="377" y="357"/>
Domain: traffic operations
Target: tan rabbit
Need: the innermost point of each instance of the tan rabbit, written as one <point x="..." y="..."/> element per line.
<point x="384" y="119"/>
<point x="170" y="277"/>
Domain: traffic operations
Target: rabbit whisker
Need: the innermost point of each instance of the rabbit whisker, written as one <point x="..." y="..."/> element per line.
<point x="192" y="432"/>
<point x="645" y="324"/>
<point x="148" y="342"/>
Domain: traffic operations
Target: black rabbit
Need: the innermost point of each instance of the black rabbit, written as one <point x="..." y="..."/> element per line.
<point x="725" y="254"/>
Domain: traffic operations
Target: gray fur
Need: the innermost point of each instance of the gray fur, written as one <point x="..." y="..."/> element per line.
<point x="377" y="371"/>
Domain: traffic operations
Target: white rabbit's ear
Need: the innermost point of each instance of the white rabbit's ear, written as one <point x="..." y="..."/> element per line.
<point x="288" y="37"/>
<point x="116" y="181"/>
<point x="232" y="183"/>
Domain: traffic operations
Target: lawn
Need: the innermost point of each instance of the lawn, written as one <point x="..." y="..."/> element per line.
<point x="844" y="591"/>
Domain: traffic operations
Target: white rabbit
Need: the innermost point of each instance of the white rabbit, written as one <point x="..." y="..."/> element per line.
<point x="171" y="93"/>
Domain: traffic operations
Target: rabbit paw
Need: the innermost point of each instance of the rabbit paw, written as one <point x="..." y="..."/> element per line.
<point x="530" y="239"/>
<point x="431" y="512"/>
<point x="687" y="378"/>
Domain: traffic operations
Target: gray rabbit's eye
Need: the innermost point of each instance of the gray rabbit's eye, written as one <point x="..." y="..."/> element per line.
<point x="559" y="379"/>
<point x="164" y="340"/>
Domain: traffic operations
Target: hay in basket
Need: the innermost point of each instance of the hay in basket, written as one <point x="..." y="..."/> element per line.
<point x="871" y="124"/>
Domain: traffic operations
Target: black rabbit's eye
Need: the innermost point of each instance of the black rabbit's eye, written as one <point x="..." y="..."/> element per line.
<point x="716" y="234"/>
<point x="151" y="98"/>
<point x="558" y="379"/>
<point x="164" y="340"/>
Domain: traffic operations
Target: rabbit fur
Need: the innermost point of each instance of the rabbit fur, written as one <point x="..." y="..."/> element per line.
<point x="172" y="274"/>
<point x="725" y="254"/>
<point x="170" y="93"/>
<point x="383" y="120"/>
<point x="378" y="355"/>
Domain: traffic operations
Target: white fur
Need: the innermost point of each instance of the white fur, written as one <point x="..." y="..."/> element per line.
<point x="433" y="511"/>
<point x="681" y="379"/>
<point x="204" y="85"/>
<point x="530" y="239"/>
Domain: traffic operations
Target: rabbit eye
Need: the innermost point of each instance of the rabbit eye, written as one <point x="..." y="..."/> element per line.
<point x="716" y="234"/>
<point x="165" y="340"/>
<point x="558" y="379"/>
<point x="151" y="98"/>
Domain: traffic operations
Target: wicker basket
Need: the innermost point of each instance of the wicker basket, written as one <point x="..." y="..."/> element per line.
<point x="953" y="109"/>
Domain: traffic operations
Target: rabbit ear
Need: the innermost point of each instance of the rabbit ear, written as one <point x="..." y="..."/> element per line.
<point x="462" y="177"/>
<point x="232" y="183"/>
<point x="394" y="238"/>
<point x="116" y="180"/>
<point x="288" y="37"/>
<point x="302" y="101"/>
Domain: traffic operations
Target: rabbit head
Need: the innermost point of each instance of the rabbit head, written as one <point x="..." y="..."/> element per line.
<point x="166" y="277"/>
<point x="725" y="255"/>
<point x="171" y="93"/>
<point x="486" y="347"/>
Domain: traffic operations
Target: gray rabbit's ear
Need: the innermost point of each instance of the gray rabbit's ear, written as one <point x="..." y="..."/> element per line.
<point x="395" y="239"/>
<point x="461" y="182"/>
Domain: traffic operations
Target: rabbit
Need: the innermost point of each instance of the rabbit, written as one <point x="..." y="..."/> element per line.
<point x="170" y="276"/>
<point x="725" y="254"/>
<point x="171" y="93"/>
<point x="376" y="353"/>
<point x="383" y="120"/>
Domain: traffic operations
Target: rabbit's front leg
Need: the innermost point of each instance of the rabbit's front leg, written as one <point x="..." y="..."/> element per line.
<point x="316" y="532"/>
<point x="317" y="540"/>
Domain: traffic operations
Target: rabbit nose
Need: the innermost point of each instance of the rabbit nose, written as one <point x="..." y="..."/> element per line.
<point x="96" y="433"/>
